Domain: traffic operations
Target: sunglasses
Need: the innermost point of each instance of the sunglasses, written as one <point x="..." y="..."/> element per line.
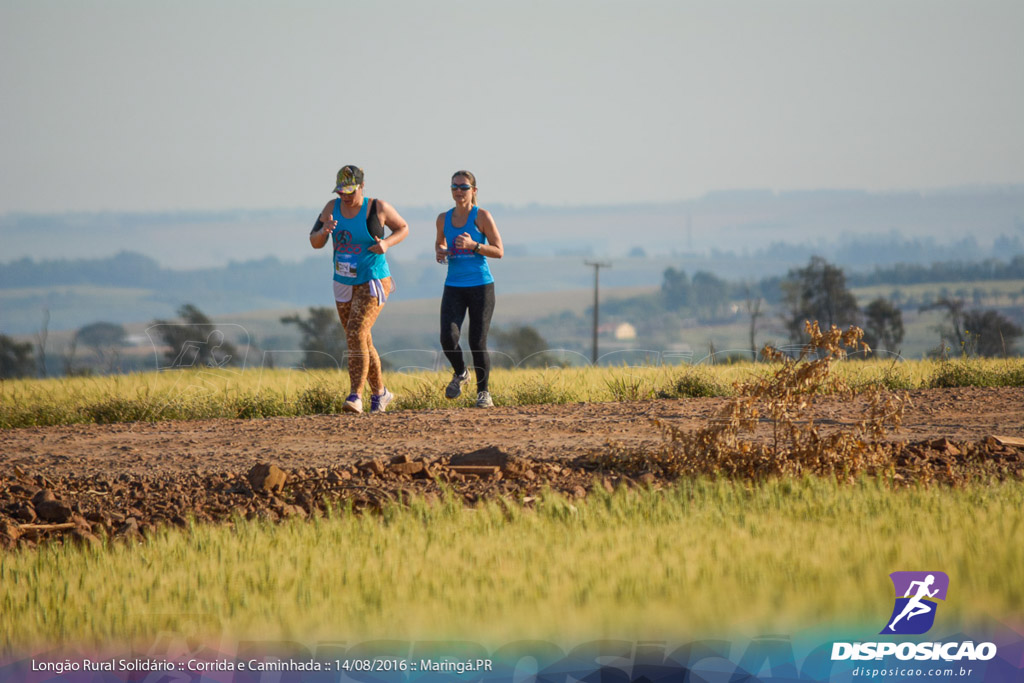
<point x="462" y="187"/>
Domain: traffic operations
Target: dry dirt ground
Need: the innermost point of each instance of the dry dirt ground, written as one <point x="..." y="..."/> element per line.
<point x="82" y="482"/>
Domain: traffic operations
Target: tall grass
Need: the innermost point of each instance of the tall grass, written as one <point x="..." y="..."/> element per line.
<point x="227" y="393"/>
<point x="708" y="558"/>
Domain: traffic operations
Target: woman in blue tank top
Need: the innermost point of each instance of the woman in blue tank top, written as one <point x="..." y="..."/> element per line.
<point x="466" y="237"/>
<point x="362" y="280"/>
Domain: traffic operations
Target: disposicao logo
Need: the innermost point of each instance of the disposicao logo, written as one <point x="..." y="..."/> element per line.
<point x="916" y="595"/>
<point x="913" y="614"/>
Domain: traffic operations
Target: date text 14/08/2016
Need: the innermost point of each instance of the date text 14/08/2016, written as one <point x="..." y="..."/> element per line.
<point x="449" y="666"/>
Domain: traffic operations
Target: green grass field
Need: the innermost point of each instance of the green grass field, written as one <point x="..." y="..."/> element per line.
<point x="227" y="393"/>
<point x="708" y="558"/>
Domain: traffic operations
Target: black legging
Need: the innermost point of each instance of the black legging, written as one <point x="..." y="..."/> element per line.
<point x="479" y="301"/>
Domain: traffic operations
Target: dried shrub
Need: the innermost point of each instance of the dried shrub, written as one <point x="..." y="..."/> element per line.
<point x="795" y="445"/>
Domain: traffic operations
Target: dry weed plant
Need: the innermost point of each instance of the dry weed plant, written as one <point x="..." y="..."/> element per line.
<point x="795" y="445"/>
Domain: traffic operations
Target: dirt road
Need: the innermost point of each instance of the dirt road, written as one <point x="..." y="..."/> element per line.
<point x="85" y="481"/>
<point x="536" y="432"/>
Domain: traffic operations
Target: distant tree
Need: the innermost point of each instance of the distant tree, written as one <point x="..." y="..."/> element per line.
<point x="883" y="325"/>
<point x="41" y="336"/>
<point x="954" y="317"/>
<point x="521" y="346"/>
<point x="68" y="357"/>
<point x="817" y="292"/>
<point x="105" y="340"/>
<point x="323" y="338"/>
<point x="753" y="305"/>
<point x="638" y="252"/>
<point x="675" y="289"/>
<point x="990" y="333"/>
<point x="709" y="295"/>
<point x="194" y="342"/>
<point x="16" y="358"/>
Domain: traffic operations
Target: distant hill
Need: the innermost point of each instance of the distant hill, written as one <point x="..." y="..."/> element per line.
<point x="740" y="222"/>
<point x="133" y="267"/>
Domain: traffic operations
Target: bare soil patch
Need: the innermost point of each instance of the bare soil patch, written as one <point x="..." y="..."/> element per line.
<point x="85" y="481"/>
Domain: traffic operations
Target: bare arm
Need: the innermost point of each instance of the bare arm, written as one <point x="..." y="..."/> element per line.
<point x="494" y="247"/>
<point x="440" y="243"/>
<point x="394" y="221"/>
<point x="318" y="238"/>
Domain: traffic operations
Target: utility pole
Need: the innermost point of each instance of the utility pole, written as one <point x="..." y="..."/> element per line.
<point x="597" y="269"/>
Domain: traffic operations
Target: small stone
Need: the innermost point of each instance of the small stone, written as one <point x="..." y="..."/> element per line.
<point x="129" y="530"/>
<point x="53" y="512"/>
<point x="84" y="538"/>
<point x="25" y="513"/>
<point x="267" y="478"/>
<point x="407" y="468"/>
<point x="490" y="456"/>
<point x="945" y="446"/>
<point x="43" y="496"/>
<point x="293" y="511"/>
<point x="9" y="530"/>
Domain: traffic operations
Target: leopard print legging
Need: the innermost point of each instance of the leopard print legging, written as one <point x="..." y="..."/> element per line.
<point x="357" y="317"/>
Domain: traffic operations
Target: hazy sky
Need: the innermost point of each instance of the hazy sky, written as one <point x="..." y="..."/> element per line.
<point x="213" y="104"/>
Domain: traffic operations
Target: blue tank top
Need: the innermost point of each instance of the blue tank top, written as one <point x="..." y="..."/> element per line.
<point x="465" y="269"/>
<point x="354" y="263"/>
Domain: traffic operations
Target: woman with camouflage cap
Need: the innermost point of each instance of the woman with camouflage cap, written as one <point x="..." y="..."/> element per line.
<point x="362" y="280"/>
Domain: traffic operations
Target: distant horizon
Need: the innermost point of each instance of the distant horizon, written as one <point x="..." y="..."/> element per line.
<point x="741" y="220"/>
<point x="733" y="193"/>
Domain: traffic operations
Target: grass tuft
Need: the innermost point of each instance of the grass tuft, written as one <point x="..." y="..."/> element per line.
<point x="694" y="383"/>
<point x="321" y="398"/>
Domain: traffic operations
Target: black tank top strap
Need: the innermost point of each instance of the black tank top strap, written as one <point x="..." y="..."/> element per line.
<point x="373" y="224"/>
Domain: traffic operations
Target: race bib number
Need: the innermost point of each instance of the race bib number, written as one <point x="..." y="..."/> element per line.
<point x="345" y="265"/>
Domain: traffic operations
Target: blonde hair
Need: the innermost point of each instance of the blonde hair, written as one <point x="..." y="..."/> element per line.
<point x="472" y="181"/>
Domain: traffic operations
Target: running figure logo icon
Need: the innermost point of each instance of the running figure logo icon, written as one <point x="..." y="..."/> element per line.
<point x="916" y="593"/>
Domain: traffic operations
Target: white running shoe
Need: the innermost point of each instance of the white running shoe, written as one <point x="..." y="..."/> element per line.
<point x="353" y="404"/>
<point x="378" y="404"/>
<point x="483" y="400"/>
<point x="454" y="388"/>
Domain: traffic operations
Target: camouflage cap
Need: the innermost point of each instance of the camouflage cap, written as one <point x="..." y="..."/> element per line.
<point x="349" y="179"/>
